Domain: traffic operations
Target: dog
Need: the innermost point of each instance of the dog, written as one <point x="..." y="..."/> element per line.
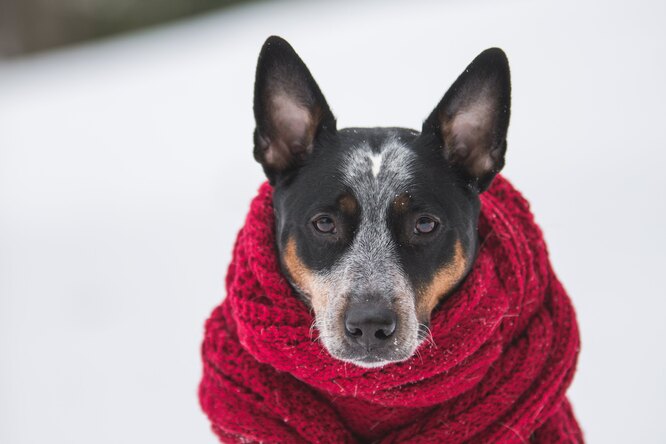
<point x="375" y="227"/>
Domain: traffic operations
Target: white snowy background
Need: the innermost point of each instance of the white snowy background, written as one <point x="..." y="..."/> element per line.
<point x="126" y="170"/>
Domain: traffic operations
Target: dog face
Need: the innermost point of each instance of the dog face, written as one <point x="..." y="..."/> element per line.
<point x="376" y="226"/>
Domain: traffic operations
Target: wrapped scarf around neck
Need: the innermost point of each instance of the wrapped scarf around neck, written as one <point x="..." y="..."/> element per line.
<point x="503" y="351"/>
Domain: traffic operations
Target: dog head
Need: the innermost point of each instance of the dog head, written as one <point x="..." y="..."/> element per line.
<point x="376" y="226"/>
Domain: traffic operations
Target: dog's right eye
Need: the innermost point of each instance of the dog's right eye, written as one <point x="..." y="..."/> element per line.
<point x="324" y="224"/>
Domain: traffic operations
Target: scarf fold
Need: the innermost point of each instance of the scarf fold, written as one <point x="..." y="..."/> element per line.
<point x="503" y="351"/>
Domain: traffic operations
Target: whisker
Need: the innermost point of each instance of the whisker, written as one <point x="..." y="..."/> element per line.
<point x="418" y="353"/>
<point x="423" y="328"/>
<point x="312" y="327"/>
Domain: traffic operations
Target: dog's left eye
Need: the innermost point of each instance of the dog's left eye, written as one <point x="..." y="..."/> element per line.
<point x="425" y="225"/>
<point x="324" y="224"/>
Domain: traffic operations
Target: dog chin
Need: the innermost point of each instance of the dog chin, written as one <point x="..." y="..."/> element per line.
<point x="368" y="364"/>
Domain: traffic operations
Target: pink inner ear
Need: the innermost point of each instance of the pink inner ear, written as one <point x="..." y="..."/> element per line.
<point x="468" y="137"/>
<point x="292" y="131"/>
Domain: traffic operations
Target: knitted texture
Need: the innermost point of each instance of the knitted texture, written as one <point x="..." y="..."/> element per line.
<point x="503" y="353"/>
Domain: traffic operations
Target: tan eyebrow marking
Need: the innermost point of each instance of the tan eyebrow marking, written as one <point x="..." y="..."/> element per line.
<point x="401" y="203"/>
<point x="348" y="204"/>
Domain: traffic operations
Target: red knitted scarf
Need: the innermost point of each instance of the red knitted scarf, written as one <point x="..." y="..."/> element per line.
<point x="504" y="352"/>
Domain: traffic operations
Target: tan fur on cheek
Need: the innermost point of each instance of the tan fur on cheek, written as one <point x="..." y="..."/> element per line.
<point x="445" y="279"/>
<point x="303" y="277"/>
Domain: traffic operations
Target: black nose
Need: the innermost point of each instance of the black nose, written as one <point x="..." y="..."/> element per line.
<point x="369" y="324"/>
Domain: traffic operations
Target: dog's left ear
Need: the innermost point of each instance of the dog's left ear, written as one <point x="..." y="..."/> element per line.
<point x="289" y="109"/>
<point x="472" y="118"/>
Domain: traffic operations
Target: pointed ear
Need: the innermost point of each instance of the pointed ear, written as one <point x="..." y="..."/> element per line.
<point x="289" y="109"/>
<point x="472" y="118"/>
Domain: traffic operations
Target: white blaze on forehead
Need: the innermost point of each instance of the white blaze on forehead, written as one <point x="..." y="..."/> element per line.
<point x="376" y="160"/>
<point x="391" y="165"/>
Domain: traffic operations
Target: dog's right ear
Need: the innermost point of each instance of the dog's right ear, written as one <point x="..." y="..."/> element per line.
<point x="289" y="109"/>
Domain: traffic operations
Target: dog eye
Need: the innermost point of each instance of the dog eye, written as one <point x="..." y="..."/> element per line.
<point x="425" y="225"/>
<point x="324" y="224"/>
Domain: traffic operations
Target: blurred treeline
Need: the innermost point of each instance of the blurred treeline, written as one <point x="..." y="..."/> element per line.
<point x="34" y="25"/>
